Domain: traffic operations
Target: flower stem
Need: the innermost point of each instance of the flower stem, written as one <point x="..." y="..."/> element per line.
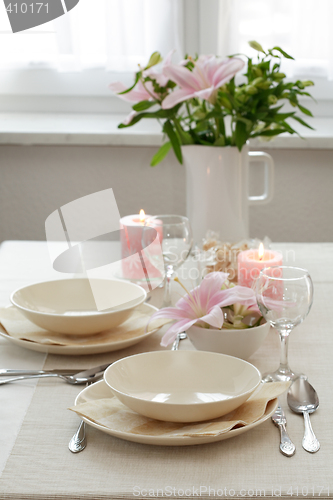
<point x="147" y="90"/>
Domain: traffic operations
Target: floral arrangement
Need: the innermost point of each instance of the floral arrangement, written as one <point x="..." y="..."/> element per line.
<point x="214" y="303"/>
<point x="199" y="101"/>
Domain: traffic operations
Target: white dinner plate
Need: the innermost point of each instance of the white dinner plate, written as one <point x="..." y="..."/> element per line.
<point x="100" y="390"/>
<point x="84" y="349"/>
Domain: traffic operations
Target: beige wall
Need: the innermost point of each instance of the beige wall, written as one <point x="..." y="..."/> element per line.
<point x="35" y="180"/>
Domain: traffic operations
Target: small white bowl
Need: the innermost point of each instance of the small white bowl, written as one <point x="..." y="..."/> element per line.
<point x="239" y="343"/>
<point x="68" y="306"/>
<point x="182" y="386"/>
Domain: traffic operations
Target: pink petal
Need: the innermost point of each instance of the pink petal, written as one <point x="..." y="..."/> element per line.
<point x="210" y="285"/>
<point x="168" y="57"/>
<point x="182" y="76"/>
<point x="170" y="312"/>
<point x="227" y="70"/>
<point x="176" y="97"/>
<point x="129" y="118"/>
<point x="137" y="94"/>
<point x="172" y="332"/>
<point x="205" y="93"/>
<point x="214" y="317"/>
<point x="239" y="294"/>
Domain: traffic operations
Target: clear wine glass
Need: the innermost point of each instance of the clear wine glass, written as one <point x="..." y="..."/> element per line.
<point x="284" y="296"/>
<point x="176" y="239"/>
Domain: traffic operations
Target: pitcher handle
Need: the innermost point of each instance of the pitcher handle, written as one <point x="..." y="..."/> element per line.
<point x="268" y="194"/>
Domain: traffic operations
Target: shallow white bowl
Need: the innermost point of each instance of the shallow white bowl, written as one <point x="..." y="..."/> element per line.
<point x="182" y="386"/>
<point x="239" y="343"/>
<point x="68" y="306"/>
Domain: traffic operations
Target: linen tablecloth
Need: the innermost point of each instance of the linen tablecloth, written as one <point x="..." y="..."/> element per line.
<point x="40" y="465"/>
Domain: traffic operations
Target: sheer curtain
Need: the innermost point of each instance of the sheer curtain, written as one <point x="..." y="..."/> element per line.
<point x="111" y="34"/>
<point x="303" y="28"/>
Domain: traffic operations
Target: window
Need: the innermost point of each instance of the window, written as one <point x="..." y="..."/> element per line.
<point x="77" y="55"/>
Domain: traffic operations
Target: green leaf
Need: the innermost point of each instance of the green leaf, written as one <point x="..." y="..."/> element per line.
<point x="241" y="134"/>
<point x="161" y="154"/>
<point x="282" y="52"/>
<point x="269" y="133"/>
<point x="288" y="128"/>
<point x="143" y="105"/>
<point x="304" y="110"/>
<point x="248" y="123"/>
<point x="174" y="139"/>
<point x="302" y="122"/>
<point x="137" y="76"/>
<point x="279" y="117"/>
<point x="219" y="142"/>
<point x="161" y="113"/>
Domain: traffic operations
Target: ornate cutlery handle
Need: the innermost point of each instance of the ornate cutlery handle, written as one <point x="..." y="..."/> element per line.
<point x="287" y="447"/>
<point x="310" y="443"/>
<point x="78" y="441"/>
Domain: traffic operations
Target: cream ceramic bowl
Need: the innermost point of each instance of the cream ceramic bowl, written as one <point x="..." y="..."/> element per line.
<point x="239" y="343"/>
<point x="182" y="386"/>
<point x="68" y="306"/>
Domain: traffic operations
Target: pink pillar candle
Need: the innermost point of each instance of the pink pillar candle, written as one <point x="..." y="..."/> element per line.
<point x="131" y="246"/>
<point x="250" y="264"/>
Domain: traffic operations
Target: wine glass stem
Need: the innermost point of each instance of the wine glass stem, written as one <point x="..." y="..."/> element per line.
<point x="284" y="339"/>
<point x="167" y="289"/>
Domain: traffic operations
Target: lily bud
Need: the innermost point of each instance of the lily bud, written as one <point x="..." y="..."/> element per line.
<point x="256" y="81"/>
<point x="243" y="98"/>
<point x="264" y="85"/>
<point x="155" y="58"/>
<point x="225" y="103"/>
<point x="256" y="71"/>
<point x="272" y="99"/>
<point x="256" y="46"/>
<point x="308" y="83"/>
<point x="251" y="89"/>
<point x="278" y="76"/>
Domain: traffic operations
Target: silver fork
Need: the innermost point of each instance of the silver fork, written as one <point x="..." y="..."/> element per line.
<point x="287" y="447"/>
<point x="180" y="336"/>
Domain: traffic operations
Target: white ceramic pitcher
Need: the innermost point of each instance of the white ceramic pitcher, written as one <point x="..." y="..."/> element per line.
<point x="217" y="189"/>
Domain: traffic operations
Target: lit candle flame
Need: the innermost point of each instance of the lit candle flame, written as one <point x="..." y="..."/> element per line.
<point x="142" y="215"/>
<point x="261" y="251"/>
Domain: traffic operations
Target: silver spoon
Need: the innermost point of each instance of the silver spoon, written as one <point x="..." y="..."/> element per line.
<point x="302" y="398"/>
<point x="78" y="441"/>
<point x="82" y="377"/>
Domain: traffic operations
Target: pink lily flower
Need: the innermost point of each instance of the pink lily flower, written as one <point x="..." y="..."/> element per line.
<point x="139" y="93"/>
<point x="203" y="305"/>
<point x="208" y="75"/>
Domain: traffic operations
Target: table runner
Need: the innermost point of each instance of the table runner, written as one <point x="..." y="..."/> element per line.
<point x="41" y="466"/>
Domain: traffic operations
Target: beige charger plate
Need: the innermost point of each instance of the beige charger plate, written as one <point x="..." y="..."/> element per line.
<point x="84" y="349"/>
<point x="100" y="390"/>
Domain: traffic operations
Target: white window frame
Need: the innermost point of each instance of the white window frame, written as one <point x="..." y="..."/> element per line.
<point x="47" y="90"/>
